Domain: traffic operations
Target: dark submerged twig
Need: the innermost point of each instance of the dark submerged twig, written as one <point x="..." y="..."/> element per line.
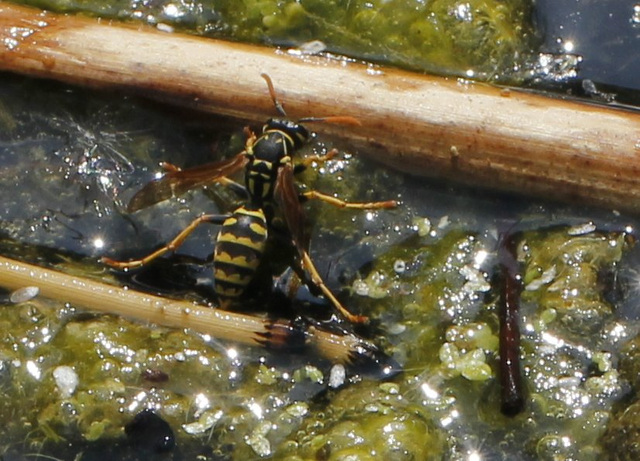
<point x="511" y="388"/>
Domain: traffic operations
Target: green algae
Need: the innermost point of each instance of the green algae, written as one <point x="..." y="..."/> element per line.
<point x="568" y="328"/>
<point x="573" y="264"/>
<point x="485" y="39"/>
<point x="369" y="422"/>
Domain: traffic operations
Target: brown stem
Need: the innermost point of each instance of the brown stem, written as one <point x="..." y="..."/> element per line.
<point x="511" y="389"/>
<point x="470" y="133"/>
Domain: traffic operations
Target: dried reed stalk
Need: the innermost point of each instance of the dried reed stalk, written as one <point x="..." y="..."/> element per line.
<point x="96" y="296"/>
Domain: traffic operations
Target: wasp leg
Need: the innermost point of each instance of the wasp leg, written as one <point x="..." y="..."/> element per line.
<point x="171" y="246"/>
<point x="314" y="194"/>
<point x="306" y="162"/>
<point x="170" y="167"/>
<point x="307" y="263"/>
<point x="251" y="138"/>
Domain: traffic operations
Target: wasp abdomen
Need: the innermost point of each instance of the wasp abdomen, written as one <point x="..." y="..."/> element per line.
<point x="239" y="248"/>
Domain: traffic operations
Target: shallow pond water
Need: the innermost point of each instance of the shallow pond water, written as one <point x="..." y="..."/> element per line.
<point x="426" y="273"/>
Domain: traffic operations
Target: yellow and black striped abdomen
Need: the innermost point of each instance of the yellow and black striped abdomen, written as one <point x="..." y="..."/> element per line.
<point x="239" y="248"/>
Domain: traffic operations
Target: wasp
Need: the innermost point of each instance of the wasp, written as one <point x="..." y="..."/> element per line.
<point x="269" y="177"/>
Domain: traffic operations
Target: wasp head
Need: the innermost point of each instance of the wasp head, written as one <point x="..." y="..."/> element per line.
<point x="297" y="132"/>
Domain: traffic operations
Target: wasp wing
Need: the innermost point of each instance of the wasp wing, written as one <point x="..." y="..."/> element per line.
<point x="175" y="183"/>
<point x="286" y="196"/>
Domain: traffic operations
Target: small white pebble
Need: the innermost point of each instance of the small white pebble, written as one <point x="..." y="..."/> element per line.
<point x="396" y="328"/>
<point x="337" y="376"/>
<point x="163" y="27"/>
<point x="206" y="421"/>
<point x="312" y="47"/>
<point x="24" y="294"/>
<point x="476" y="281"/>
<point x="361" y="288"/>
<point x="546" y="277"/>
<point x="444" y="222"/>
<point x="66" y="380"/>
<point x="399" y="266"/>
<point x="582" y="229"/>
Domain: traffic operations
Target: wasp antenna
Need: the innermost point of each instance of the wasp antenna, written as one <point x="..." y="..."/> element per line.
<point x="341" y="119"/>
<point x="272" y="92"/>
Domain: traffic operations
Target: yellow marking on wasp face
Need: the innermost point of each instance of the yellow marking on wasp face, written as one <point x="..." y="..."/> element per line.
<point x="239" y="261"/>
<point x="243" y="241"/>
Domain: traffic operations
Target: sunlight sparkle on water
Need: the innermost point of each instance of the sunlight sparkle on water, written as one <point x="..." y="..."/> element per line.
<point x="137" y="400"/>
<point x="33" y="369"/>
<point x="105" y="181"/>
<point x="429" y="392"/>
<point x="463" y="12"/>
<point x="256" y="409"/>
<point x="202" y="402"/>
<point x="450" y="418"/>
<point x="171" y="10"/>
<point x="552" y="340"/>
<point x="480" y="257"/>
